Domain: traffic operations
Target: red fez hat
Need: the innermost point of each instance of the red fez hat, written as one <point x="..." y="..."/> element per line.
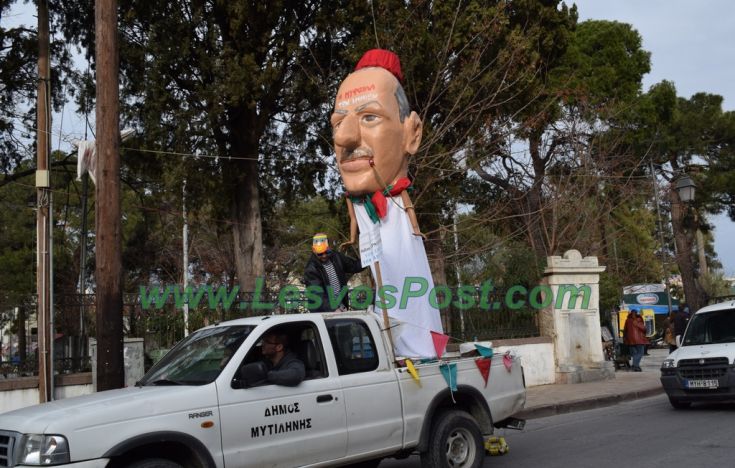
<point x="381" y="58"/>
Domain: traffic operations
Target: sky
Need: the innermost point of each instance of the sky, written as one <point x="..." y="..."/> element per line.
<point x="691" y="44"/>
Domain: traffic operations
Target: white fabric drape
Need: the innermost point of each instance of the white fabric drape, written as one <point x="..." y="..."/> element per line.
<point x="403" y="256"/>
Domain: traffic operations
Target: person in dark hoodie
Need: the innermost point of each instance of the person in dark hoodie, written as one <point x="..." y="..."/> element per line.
<point x="284" y="366"/>
<point x="327" y="272"/>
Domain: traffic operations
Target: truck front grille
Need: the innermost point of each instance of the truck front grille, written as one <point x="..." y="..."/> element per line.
<point x="7" y="441"/>
<point x="703" y="373"/>
<point x="718" y="361"/>
<point x="705" y="368"/>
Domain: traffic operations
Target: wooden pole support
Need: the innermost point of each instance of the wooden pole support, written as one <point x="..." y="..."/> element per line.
<point x="386" y="320"/>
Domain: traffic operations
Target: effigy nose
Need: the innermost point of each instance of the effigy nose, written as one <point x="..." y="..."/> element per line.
<point x="347" y="133"/>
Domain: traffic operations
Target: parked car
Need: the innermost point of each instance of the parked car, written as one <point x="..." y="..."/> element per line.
<point x="703" y="367"/>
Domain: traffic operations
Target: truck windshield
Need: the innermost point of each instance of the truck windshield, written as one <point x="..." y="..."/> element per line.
<point x="711" y="328"/>
<point x="199" y="358"/>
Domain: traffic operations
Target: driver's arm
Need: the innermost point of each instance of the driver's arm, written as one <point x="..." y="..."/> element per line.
<point x="290" y="374"/>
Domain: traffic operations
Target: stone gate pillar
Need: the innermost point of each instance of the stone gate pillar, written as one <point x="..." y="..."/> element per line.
<point x="572" y="319"/>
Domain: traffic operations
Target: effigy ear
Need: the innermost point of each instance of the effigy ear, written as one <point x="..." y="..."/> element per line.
<point x="413" y="130"/>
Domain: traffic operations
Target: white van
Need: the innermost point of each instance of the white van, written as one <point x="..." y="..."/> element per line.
<point x="703" y="367"/>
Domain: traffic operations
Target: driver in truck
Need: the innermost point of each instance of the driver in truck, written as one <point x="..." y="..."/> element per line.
<point x="284" y="366"/>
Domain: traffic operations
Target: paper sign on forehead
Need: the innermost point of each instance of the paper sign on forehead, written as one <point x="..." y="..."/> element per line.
<point x="356" y="100"/>
<point x="351" y="93"/>
<point x="371" y="246"/>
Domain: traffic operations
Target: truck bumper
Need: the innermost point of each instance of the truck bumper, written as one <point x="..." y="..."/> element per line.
<point x="676" y="388"/>
<point x="96" y="463"/>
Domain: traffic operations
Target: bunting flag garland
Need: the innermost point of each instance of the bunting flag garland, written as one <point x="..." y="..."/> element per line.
<point x="440" y="343"/>
<point x="449" y="371"/>
<point x="508" y="361"/>
<point x="484" y="351"/>
<point x="484" y="365"/>
<point x="412" y="370"/>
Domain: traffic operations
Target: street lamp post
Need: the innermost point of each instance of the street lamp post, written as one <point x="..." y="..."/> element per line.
<point x="685" y="189"/>
<point x="661" y="238"/>
<point x="686" y="221"/>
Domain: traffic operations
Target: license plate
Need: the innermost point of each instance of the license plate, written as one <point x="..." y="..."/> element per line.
<point x="703" y="383"/>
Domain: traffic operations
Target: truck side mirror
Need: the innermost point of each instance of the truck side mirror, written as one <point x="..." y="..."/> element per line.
<point x="678" y="341"/>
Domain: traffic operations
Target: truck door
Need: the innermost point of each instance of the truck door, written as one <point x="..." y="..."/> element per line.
<point x="371" y="394"/>
<point x="279" y="426"/>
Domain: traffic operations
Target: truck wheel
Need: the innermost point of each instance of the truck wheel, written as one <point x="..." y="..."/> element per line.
<point x="455" y="442"/>
<point x="678" y="404"/>
<point x="154" y="463"/>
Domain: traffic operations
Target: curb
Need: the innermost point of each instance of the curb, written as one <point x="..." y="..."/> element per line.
<point x="583" y="404"/>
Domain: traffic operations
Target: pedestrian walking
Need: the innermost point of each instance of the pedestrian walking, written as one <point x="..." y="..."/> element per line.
<point x="669" y="334"/>
<point x="634" y="333"/>
<point x="680" y="323"/>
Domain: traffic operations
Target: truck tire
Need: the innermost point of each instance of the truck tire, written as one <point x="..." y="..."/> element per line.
<point x="154" y="463"/>
<point x="678" y="404"/>
<point x="455" y="442"/>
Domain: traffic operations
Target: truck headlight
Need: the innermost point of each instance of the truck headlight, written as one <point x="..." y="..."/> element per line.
<point x="42" y="449"/>
<point x="668" y="364"/>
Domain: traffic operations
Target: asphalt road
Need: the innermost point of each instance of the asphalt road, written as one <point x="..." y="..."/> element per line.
<point x="643" y="433"/>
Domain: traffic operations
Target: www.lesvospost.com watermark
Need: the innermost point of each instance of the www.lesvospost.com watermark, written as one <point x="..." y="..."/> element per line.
<point x="291" y="297"/>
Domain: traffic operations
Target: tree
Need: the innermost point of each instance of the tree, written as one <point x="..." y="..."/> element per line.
<point x="18" y="80"/>
<point x="223" y="79"/>
<point x="581" y="95"/>
<point x="17" y="245"/>
<point x="693" y="136"/>
<point x="466" y="64"/>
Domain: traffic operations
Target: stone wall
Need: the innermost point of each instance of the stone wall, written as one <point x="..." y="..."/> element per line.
<point x="572" y="319"/>
<point x="537" y="358"/>
<point x="23" y="391"/>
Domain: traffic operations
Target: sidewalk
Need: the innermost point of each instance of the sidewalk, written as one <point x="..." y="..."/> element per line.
<point x="548" y="400"/>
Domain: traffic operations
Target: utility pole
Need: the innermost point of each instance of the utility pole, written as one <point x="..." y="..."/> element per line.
<point x="43" y="212"/>
<point x="83" y="256"/>
<point x="108" y="269"/>
<point x="661" y="237"/>
<point x="185" y="268"/>
<point x="456" y="267"/>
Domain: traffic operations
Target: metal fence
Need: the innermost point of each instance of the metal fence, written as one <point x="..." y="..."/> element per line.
<point x="162" y="325"/>
<point x="491" y="318"/>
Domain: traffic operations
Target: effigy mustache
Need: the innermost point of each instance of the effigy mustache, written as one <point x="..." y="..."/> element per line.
<point x="357" y="153"/>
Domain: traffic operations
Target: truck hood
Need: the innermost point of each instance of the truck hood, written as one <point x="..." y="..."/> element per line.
<point x="112" y="406"/>
<point x="705" y="351"/>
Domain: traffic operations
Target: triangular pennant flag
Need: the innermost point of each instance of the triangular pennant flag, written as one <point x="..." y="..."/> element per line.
<point x="449" y="371"/>
<point x="507" y="361"/>
<point x="484" y="350"/>
<point x="484" y="365"/>
<point x="440" y="343"/>
<point x="412" y="370"/>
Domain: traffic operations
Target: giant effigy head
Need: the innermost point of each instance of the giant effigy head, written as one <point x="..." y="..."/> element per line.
<point x="374" y="129"/>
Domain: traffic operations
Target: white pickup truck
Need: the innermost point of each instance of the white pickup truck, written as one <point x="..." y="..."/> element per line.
<point x="194" y="409"/>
